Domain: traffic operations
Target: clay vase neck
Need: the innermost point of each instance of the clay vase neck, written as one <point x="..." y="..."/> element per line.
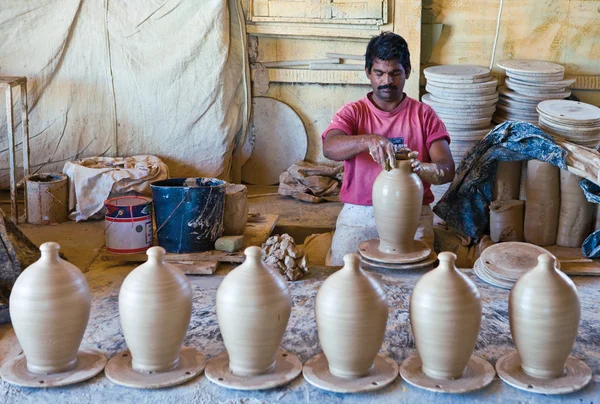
<point x="445" y="315"/>
<point x="155" y="306"/>
<point x="544" y="312"/>
<point x="351" y="310"/>
<point x="253" y="309"/>
<point x="397" y="202"/>
<point x="50" y="308"/>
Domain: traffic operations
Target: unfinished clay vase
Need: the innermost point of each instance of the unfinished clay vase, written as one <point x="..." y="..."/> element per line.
<point x="351" y="310"/>
<point x="544" y="311"/>
<point x="235" y="214"/>
<point x="543" y="203"/>
<point x="397" y="202"/>
<point x="508" y="180"/>
<point x="445" y="315"/>
<point x="506" y="220"/>
<point x="253" y="309"/>
<point x="155" y="305"/>
<point x="576" y="213"/>
<point x="50" y="308"/>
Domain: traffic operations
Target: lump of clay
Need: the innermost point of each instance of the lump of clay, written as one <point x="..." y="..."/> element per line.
<point x="281" y="252"/>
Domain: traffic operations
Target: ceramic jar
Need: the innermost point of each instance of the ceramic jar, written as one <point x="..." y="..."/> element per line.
<point x="50" y="308"/>
<point x="397" y="201"/>
<point x="236" y="209"/>
<point x="508" y="180"/>
<point x="155" y="306"/>
<point x="445" y="315"/>
<point x="544" y="312"/>
<point x="506" y="220"/>
<point x="351" y="310"/>
<point x="543" y="203"/>
<point x="576" y="213"/>
<point x="253" y="309"/>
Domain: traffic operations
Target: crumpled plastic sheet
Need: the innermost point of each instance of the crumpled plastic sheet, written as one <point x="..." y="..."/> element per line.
<point x="465" y="206"/>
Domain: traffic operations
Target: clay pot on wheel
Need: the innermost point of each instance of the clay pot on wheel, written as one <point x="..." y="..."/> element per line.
<point x="445" y="315"/>
<point x="544" y="312"/>
<point x="50" y="308"/>
<point x="351" y="310"/>
<point x="397" y="202"/>
<point x="253" y="309"/>
<point x="155" y="306"/>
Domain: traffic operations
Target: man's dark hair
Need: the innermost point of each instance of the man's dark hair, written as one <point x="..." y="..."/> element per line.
<point x="387" y="46"/>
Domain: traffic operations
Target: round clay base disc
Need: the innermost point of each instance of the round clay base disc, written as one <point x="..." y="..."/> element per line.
<point x="287" y="368"/>
<point x="427" y="262"/>
<point x="478" y="374"/>
<point x="119" y="370"/>
<point x="89" y="364"/>
<point x="383" y="372"/>
<point x="577" y="375"/>
<point x="370" y="250"/>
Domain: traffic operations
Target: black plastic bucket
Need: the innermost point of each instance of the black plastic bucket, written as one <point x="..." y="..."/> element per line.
<point x="189" y="213"/>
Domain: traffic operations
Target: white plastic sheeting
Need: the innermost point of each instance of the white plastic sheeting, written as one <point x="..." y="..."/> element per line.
<point x="120" y="78"/>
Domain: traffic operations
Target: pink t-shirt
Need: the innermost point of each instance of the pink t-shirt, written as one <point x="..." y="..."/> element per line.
<point x="411" y="123"/>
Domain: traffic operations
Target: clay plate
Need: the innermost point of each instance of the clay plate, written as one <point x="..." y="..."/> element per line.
<point x="478" y="374"/>
<point x="370" y="250"/>
<point x="89" y="364"/>
<point x="383" y="372"/>
<point x="510" y="260"/>
<point x="287" y="368"/>
<point x="577" y="375"/>
<point x="427" y="262"/>
<point x="527" y="66"/>
<point x="120" y="371"/>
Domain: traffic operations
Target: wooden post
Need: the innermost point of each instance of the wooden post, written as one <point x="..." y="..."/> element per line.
<point x="25" y="141"/>
<point x="14" y="214"/>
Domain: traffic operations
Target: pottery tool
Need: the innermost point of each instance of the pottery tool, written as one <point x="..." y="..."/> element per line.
<point x="464" y="97"/>
<point x="574" y="121"/>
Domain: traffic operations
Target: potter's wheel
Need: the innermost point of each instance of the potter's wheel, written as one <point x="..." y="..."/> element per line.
<point x="425" y="264"/>
<point x="370" y="250"/>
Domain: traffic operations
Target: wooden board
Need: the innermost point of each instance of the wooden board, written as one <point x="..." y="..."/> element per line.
<point x="256" y="233"/>
<point x="573" y="263"/>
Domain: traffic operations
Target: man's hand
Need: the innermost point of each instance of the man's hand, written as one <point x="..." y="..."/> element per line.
<point x="429" y="172"/>
<point x="381" y="150"/>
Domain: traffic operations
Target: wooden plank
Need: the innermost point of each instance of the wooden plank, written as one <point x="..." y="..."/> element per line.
<point x="10" y="121"/>
<point x="407" y="23"/>
<point x="196" y="267"/>
<point x="345" y="56"/>
<point x="345" y="67"/>
<point x="573" y="263"/>
<point x="25" y="142"/>
<point x="287" y="63"/>
<point x="317" y="76"/>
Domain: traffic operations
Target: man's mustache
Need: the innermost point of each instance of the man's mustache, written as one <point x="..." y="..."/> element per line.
<point x="387" y="87"/>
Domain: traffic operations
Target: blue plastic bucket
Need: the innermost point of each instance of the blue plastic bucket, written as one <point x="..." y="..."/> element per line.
<point x="189" y="213"/>
<point x="128" y="224"/>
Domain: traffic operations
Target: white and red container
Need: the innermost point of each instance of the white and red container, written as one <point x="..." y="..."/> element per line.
<point x="128" y="224"/>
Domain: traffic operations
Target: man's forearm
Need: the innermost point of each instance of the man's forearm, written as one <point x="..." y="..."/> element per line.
<point x="341" y="147"/>
<point x="436" y="174"/>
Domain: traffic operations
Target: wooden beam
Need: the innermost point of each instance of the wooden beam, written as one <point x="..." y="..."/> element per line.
<point x="407" y="23"/>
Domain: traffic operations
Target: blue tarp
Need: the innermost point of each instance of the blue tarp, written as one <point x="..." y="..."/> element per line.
<point x="465" y="206"/>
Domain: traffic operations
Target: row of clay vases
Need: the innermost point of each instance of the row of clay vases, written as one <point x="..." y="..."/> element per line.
<point x="543" y="203"/>
<point x="576" y="213"/>
<point x="397" y="202"/>
<point x="49" y="308"/>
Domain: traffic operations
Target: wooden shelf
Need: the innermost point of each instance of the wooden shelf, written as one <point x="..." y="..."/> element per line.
<point x="303" y="76"/>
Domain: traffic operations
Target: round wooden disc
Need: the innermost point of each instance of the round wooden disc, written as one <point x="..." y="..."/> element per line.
<point x="287" y="368"/>
<point x="486" y="101"/>
<point x="370" y="250"/>
<point x="518" y="96"/>
<point x="89" y="364"/>
<point x="456" y="72"/>
<point x="531" y="66"/>
<point x="542" y="84"/>
<point x="577" y="375"/>
<point x="451" y="92"/>
<point x="383" y="373"/>
<point x="429" y="261"/>
<point x="511" y="259"/>
<point x="477" y="374"/>
<point x="570" y="111"/>
<point x="119" y="370"/>
<point x="469" y="87"/>
<point x="273" y="153"/>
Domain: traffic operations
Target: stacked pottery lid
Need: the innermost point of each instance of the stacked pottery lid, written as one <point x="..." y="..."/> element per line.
<point x="574" y="121"/>
<point x="503" y="263"/>
<point x="528" y="82"/>
<point x="464" y="97"/>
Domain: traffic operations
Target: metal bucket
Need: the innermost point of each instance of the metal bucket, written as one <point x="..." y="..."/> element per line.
<point x="189" y="213"/>
<point x="128" y="224"/>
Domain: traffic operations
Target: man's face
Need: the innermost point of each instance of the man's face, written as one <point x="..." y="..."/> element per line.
<point x="387" y="79"/>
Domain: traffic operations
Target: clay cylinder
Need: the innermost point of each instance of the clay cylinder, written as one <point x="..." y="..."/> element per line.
<point x="445" y="315"/>
<point x="155" y="306"/>
<point x="253" y="309"/>
<point x="351" y="310"/>
<point x="544" y="311"/>
<point x="508" y="179"/>
<point x="47" y="198"/>
<point x="596" y="218"/>
<point x="236" y="209"/>
<point x="576" y="213"/>
<point x="543" y="203"/>
<point x="50" y="308"/>
<point x="506" y="220"/>
<point x="397" y="201"/>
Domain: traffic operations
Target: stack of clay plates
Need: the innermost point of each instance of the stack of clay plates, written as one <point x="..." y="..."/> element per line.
<point x="576" y="122"/>
<point x="503" y="263"/>
<point x="464" y="97"/>
<point x="528" y="83"/>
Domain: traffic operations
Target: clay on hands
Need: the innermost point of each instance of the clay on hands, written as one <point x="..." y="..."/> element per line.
<point x="381" y="150"/>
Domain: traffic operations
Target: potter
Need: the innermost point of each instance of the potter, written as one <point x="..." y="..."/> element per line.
<point x="363" y="134"/>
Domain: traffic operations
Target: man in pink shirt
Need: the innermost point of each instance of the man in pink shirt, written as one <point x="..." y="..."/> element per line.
<point x="363" y="135"/>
